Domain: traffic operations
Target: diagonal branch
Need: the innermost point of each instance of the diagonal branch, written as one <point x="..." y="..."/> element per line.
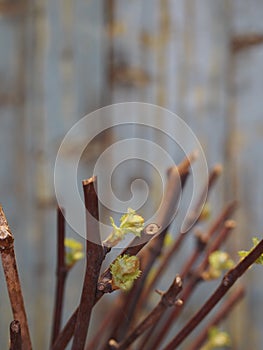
<point x="221" y="314"/>
<point x="168" y="299"/>
<point x="227" y="282"/>
<point x="194" y="281"/>
<point x="213" y="176"/>
<point x="177" y="176"/>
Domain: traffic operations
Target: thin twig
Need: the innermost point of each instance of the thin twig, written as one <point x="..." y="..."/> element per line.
<point x="134" y="247"/>
<point x="15" y="336"/>
<point x="194" y="281"/>
<point x="104" y="283"/>
<point x="168" y="299"/>
<point x="221" y="314"/>
<point x="177" y="176"/>
<point x="213" y="176"/>
<point x="66" y="333"/>
<point x="227" y="282"/>
<point x="201" y="243"/>
<point x="61" y="275"/>
<point x="12" y="279"/>
<point x="242" y="42"/>
<point x="95" y="256"/>
<point x="101" y="331"/>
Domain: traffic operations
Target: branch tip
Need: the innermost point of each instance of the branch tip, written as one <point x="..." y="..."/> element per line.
<point x="179" y="302"/>
<point x="88" y="181"/>
<point x="231" y="224"/>
<point x="152" y="229"/>
<point x="218" y="169"/>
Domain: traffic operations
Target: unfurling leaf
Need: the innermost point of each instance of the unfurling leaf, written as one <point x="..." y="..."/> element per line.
<point x="206" y="212"/>
<point x="244" y="253"/>
<point x="216" y="339"/>
<point x="168" y="240"/>
<point x="125" y="270"/>
<point x="129" y="223"/>
<point x="218" y="262"/>
<point x="74" y="251"/>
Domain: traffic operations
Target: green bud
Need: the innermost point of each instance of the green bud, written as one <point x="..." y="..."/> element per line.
<point x="244" y="253"/>
<point x="206" y="212"/>
<point x="218" y="262"/>
<point x="125" y="270"/>
<point x="129" y="223"/>
<point x="216" y="339"/>
<point x="74" y="251"/>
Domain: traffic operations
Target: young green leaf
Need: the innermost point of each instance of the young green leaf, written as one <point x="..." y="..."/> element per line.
<point x="125" y="270"/>
<point x="206" y="212"/>
<point x="244" y="253"/>
<point x="216" y="339"/>
<point x="74" y="251"/>
<point x="218" y="262"/>
<point x="129" y="223"/>
<point x="168" y="240"/>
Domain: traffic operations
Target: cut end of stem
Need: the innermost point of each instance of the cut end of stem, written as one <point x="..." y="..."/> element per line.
<point x="178" y="281"/>
<point x="184" y="166"/>
<point x="230" y="224"/>
<point x="15" y="326"/>
<point x="90" y="180"/>
<point x="113" y="344"/>
<point x="218" y="169"/>
<point x="3" y="221"/>
<point x="6" y="237"/>
<point x="152" y="229"/>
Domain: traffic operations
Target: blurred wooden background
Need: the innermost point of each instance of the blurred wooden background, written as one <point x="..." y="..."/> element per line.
<point x="60" y="60"/>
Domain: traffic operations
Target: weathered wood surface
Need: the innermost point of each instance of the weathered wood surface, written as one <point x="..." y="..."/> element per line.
<point x="55" y="67"/>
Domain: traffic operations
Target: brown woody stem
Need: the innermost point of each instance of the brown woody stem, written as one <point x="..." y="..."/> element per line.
<point x="224" y="311"/>
<point x="177" y="176"/>
<point x="134" y="247"/>
<point x="61" y="274"/>
<point x="12" y="279"/>
<point x="15" y="336"/>
<point x="95" y="256"/>
<point x="193" y="282"/>
<point x="213" y="176"/>
<point x="227" y="282"/>
<point x="168" y="299"/>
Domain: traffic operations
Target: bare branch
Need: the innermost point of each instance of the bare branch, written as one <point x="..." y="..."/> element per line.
<point x="61" y="274"/>
<point x="12" y="279"/>
<point x="95" y="256"/>
<point x="15" y="336"/>
<point x="168" y="299"/>
<point x="227" y="282"/>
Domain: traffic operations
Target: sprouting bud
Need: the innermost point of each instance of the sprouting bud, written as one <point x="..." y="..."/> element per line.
<point x="74" y="251"/>
<point x="129" y="223"/>
<point x="168" y="240"/>
<point x="216" y="339"/>
<point x="125" y="270"/>
<point x="218" y="262"/>
<point x="132" y="222"/>
<point x="206" y="212"/>
<point x="244" y="253"/>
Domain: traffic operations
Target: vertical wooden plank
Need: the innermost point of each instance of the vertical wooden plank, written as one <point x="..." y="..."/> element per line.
<point x="246" y="151"/>
<point x="88" y="45"/>
<point x="12" y="142"/>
